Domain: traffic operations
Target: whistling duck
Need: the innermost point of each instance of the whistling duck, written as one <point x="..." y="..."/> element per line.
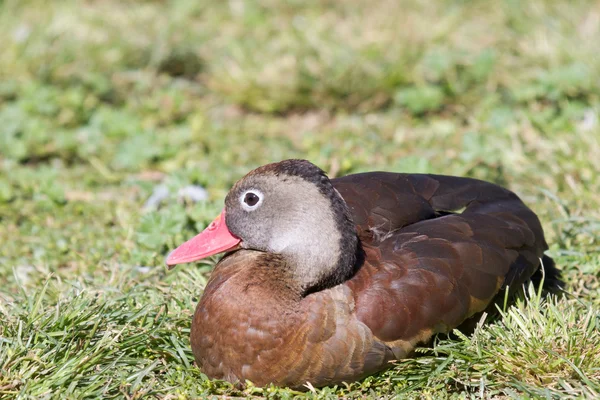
<point x="328" y="280"/>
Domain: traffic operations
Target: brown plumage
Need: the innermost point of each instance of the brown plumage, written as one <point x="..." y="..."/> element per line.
<point x="333" y="279"/>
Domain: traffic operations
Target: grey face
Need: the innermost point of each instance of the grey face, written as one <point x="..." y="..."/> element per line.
<point x="286" y="215"/>
<point x="252" y="208"/>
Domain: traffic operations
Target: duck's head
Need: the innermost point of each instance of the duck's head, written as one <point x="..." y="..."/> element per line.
<point x="288" y="208"/>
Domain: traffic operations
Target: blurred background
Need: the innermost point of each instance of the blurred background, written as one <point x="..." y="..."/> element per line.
<point x="124" y="123"/>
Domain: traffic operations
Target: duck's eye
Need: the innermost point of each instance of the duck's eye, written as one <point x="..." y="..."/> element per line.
<point x="251" y="199"/>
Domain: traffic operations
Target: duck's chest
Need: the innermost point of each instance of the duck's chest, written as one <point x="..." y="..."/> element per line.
<point x="242" y="329"/>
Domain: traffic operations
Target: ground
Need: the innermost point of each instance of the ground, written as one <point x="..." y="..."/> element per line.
<point x="102" y="102"/>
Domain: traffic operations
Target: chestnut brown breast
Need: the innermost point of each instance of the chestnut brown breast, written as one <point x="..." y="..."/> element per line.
<point x="426" y="270"/>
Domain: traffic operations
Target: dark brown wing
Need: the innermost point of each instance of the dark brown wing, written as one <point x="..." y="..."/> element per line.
<point x="428" y="270"/>
<point x="383" y="202"/>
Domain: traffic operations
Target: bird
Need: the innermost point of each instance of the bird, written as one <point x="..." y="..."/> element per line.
<point x="326" y="281"/>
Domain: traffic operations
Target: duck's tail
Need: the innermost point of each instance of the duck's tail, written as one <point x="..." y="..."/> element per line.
<point x="549" y="276"/>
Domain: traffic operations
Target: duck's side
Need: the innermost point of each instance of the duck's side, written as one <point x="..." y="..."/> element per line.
<point x="425" y="270"/>
<point x="429" y="269"/>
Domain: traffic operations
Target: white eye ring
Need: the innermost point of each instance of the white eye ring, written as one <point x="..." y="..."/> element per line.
<point x="248" y="207"/>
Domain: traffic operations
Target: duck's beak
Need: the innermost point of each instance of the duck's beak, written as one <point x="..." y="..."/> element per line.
<point x="215" y="239"/>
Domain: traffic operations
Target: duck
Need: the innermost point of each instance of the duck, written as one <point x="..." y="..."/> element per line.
<point x="326" y="281"/>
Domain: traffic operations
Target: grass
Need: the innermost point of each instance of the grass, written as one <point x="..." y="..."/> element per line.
<point x="103" y="102"/>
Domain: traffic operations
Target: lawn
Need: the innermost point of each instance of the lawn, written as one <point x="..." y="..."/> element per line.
<point x="105" y="103"/>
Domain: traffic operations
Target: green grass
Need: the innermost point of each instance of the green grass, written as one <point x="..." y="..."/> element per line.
<point x="102" y="101"/>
